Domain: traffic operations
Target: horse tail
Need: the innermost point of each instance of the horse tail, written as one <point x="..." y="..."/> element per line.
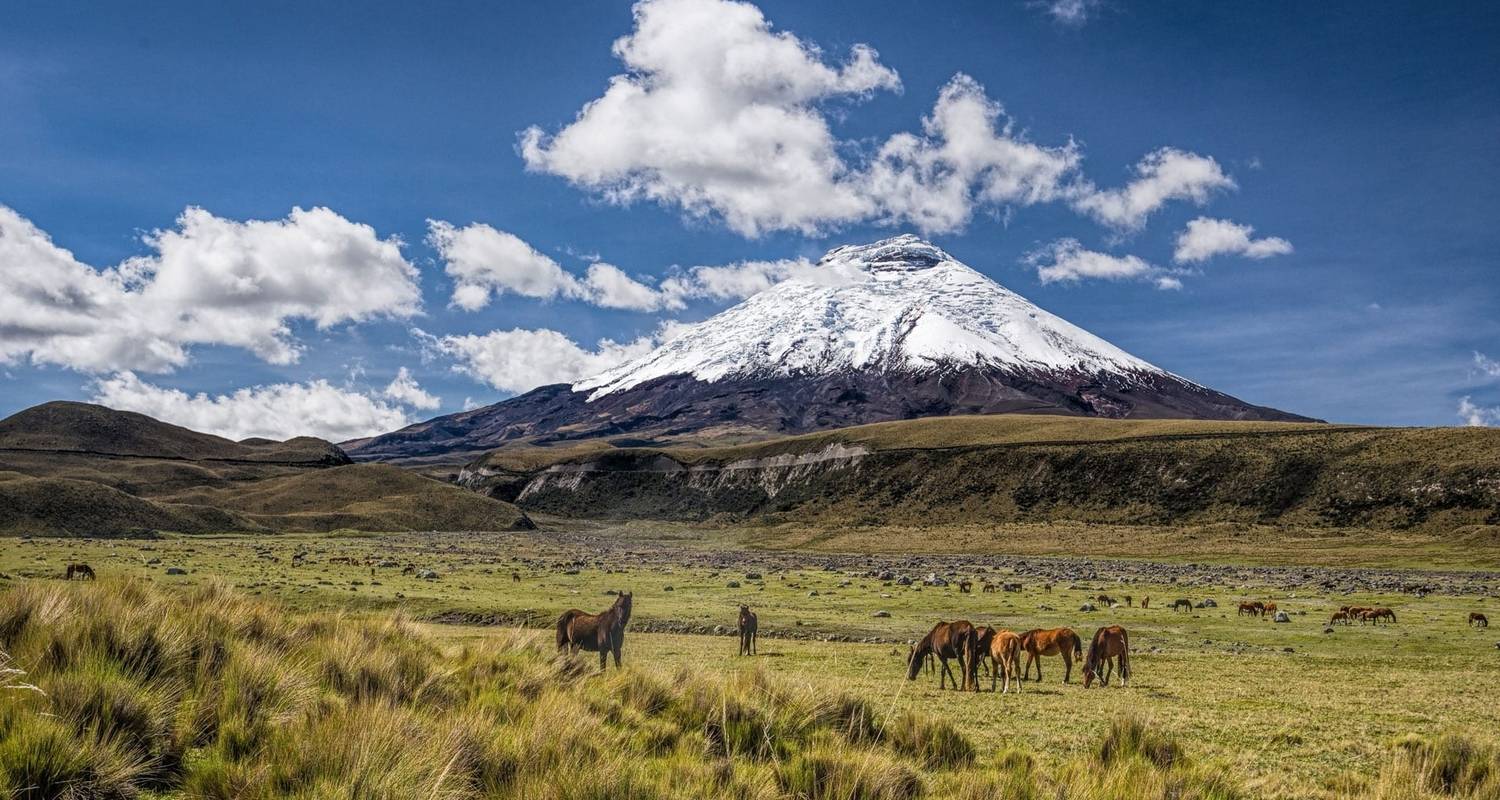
<point x="1125" y="655"/>
<point x="1078" y="645"/>
<point x="562" y="629"/>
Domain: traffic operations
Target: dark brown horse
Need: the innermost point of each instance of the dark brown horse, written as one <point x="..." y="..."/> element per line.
<point x="1479" y="620"/>
<point x="1108" y="644"/>
<point x="1055" y="642"/>
<point x="749" y="623"/>
<point x="601" y="633"/>
<point x="1182" y="604"/>
<point x="946" y="640"/>
<point x="80" y="570"/>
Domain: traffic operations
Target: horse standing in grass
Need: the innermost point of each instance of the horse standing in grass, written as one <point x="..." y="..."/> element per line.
<point x="1003" y="650"/>
<point x="1182" y="604"/>
<point x="1383" y="613"/>
<point x="749" y="623"/>
<point x="1107" y="645"/>
<point x="1339" y="616"/>
<point x="1478" y="620"/>
<point x="83" y="571"/>
<point x="602" y="633"/>
<point x="1254" y="609"/>
<point x="946" y="640"/>
<point x="1054" y="642"/>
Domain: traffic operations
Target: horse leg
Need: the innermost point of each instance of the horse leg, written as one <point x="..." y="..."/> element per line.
<point x="616" y="645"/>
<point x="603" y="658"/>
<point x="1067" y="665"/>
<point x="945" y="674"/>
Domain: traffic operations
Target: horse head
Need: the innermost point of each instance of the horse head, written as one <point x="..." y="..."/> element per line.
<point x="913" y="663"/>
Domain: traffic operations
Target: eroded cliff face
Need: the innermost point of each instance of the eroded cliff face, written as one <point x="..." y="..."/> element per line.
<point x="1332" y="479"/>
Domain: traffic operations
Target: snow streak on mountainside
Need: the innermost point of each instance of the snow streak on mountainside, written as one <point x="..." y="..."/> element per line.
<point x="898" y="305"/>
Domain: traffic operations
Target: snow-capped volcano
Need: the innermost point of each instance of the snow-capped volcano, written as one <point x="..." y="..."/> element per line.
<point x="898" y="305"/>
<point x="892" y="330"/>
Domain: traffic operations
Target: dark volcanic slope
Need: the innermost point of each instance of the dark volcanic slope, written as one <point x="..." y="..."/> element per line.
<point x="677" y="407"/>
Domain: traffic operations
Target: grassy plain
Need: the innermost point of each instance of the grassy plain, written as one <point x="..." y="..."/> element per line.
<point x="1287" y="709"/>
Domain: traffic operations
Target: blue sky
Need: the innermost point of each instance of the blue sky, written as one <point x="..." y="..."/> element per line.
<point x="1360" y="142"/>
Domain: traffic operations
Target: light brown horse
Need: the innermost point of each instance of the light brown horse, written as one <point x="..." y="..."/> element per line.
<point x="1002" y="649"/>
<point x="1146" y="602"/>
<point x="1254" y="609"/>
<point x="1339" y="616"/>
<point x="1383" y="613"/>
<point x="603" y="633"/>
<point x="749" y="623"/>
<point x="1107" y="645"/>
<point x="1268" y="610"/>
<point x="83" y="571"/>
<point x="1054" y="642"/>
<point x="1478" y="620"/>
<point x="946" y="640"/>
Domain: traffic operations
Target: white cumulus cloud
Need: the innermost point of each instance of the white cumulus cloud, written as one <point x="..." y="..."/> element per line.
<point x="404" y="389"/>
<point x="209" y="281"/>
<point x="1068" y="261"/>
<point x="519" y="360"/>
<point x="722" y="116"/>
<point x="485" y="262"/>
<point x="1164" y="175"/>
<point x="272" y="411"/>
<point x="717" y="114"/>
<point x="1204" y="238"/>
<point x="1477" y="416"/>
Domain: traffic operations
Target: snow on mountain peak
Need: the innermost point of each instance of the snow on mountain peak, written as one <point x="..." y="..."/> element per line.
<point x="897" y="305"/>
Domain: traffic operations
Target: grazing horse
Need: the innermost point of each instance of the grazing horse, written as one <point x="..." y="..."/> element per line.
<point x="1054" y="642"/>
<point x="1003" y="650"/>
<point x="988" y="588"/>
<point x="1146" y="602"/>
<point x="749" y="623"/>
<point x="1479" y="620"/>
<point x="946" y="640"/>
<point x="965" y="587"/>
<point x="1128" y="602"/>
<point x="1339" y="616"/>
<point x="1104" y="600"/>
<point x="603" y="633"/>
<point x="1268" y="610"/>
<point x="1382" y="613"/>
<point x="82" y="571"/>
<point x="1107" y="645"/>
<point x="1182" y="604"/>
<point x="1254" y="609"/>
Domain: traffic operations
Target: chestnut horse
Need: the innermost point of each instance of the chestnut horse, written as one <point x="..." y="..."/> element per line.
<point x="81" y="570"/>
<point x="602" y="633"/>
<point x="1339" y="616"/>
<point x="1477" y="619"/>
<point x="1057" y="641"/>
<point x="946" y="640"/>
<point x="1107" y="645"/>
<point x="1254" y="609"/>
<point x="1003" y="649"/>
<point x="749" y="623"/>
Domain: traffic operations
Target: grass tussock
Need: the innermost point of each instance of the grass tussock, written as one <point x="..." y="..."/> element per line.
<point x="118" y="690"/>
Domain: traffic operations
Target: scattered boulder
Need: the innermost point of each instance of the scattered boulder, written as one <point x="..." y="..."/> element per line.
<point x="176" y="571"/>
<point x="427" y="575"/>
<point x="668" y="589"/>
<point x="752" y="576"/>
<point x="1087" y="607"/>
<point x="882" y="614"/>
<point x="904" y="580"/>
<point x="732" y="585"/>
<point x="1281" y="616"/>
<point x="1209" y="603"/>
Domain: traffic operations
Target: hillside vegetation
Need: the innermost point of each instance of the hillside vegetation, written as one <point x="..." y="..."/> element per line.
<point x="1004" y="469"/>
<point x="83" y="470"/>
<point x="117" y="690"/>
